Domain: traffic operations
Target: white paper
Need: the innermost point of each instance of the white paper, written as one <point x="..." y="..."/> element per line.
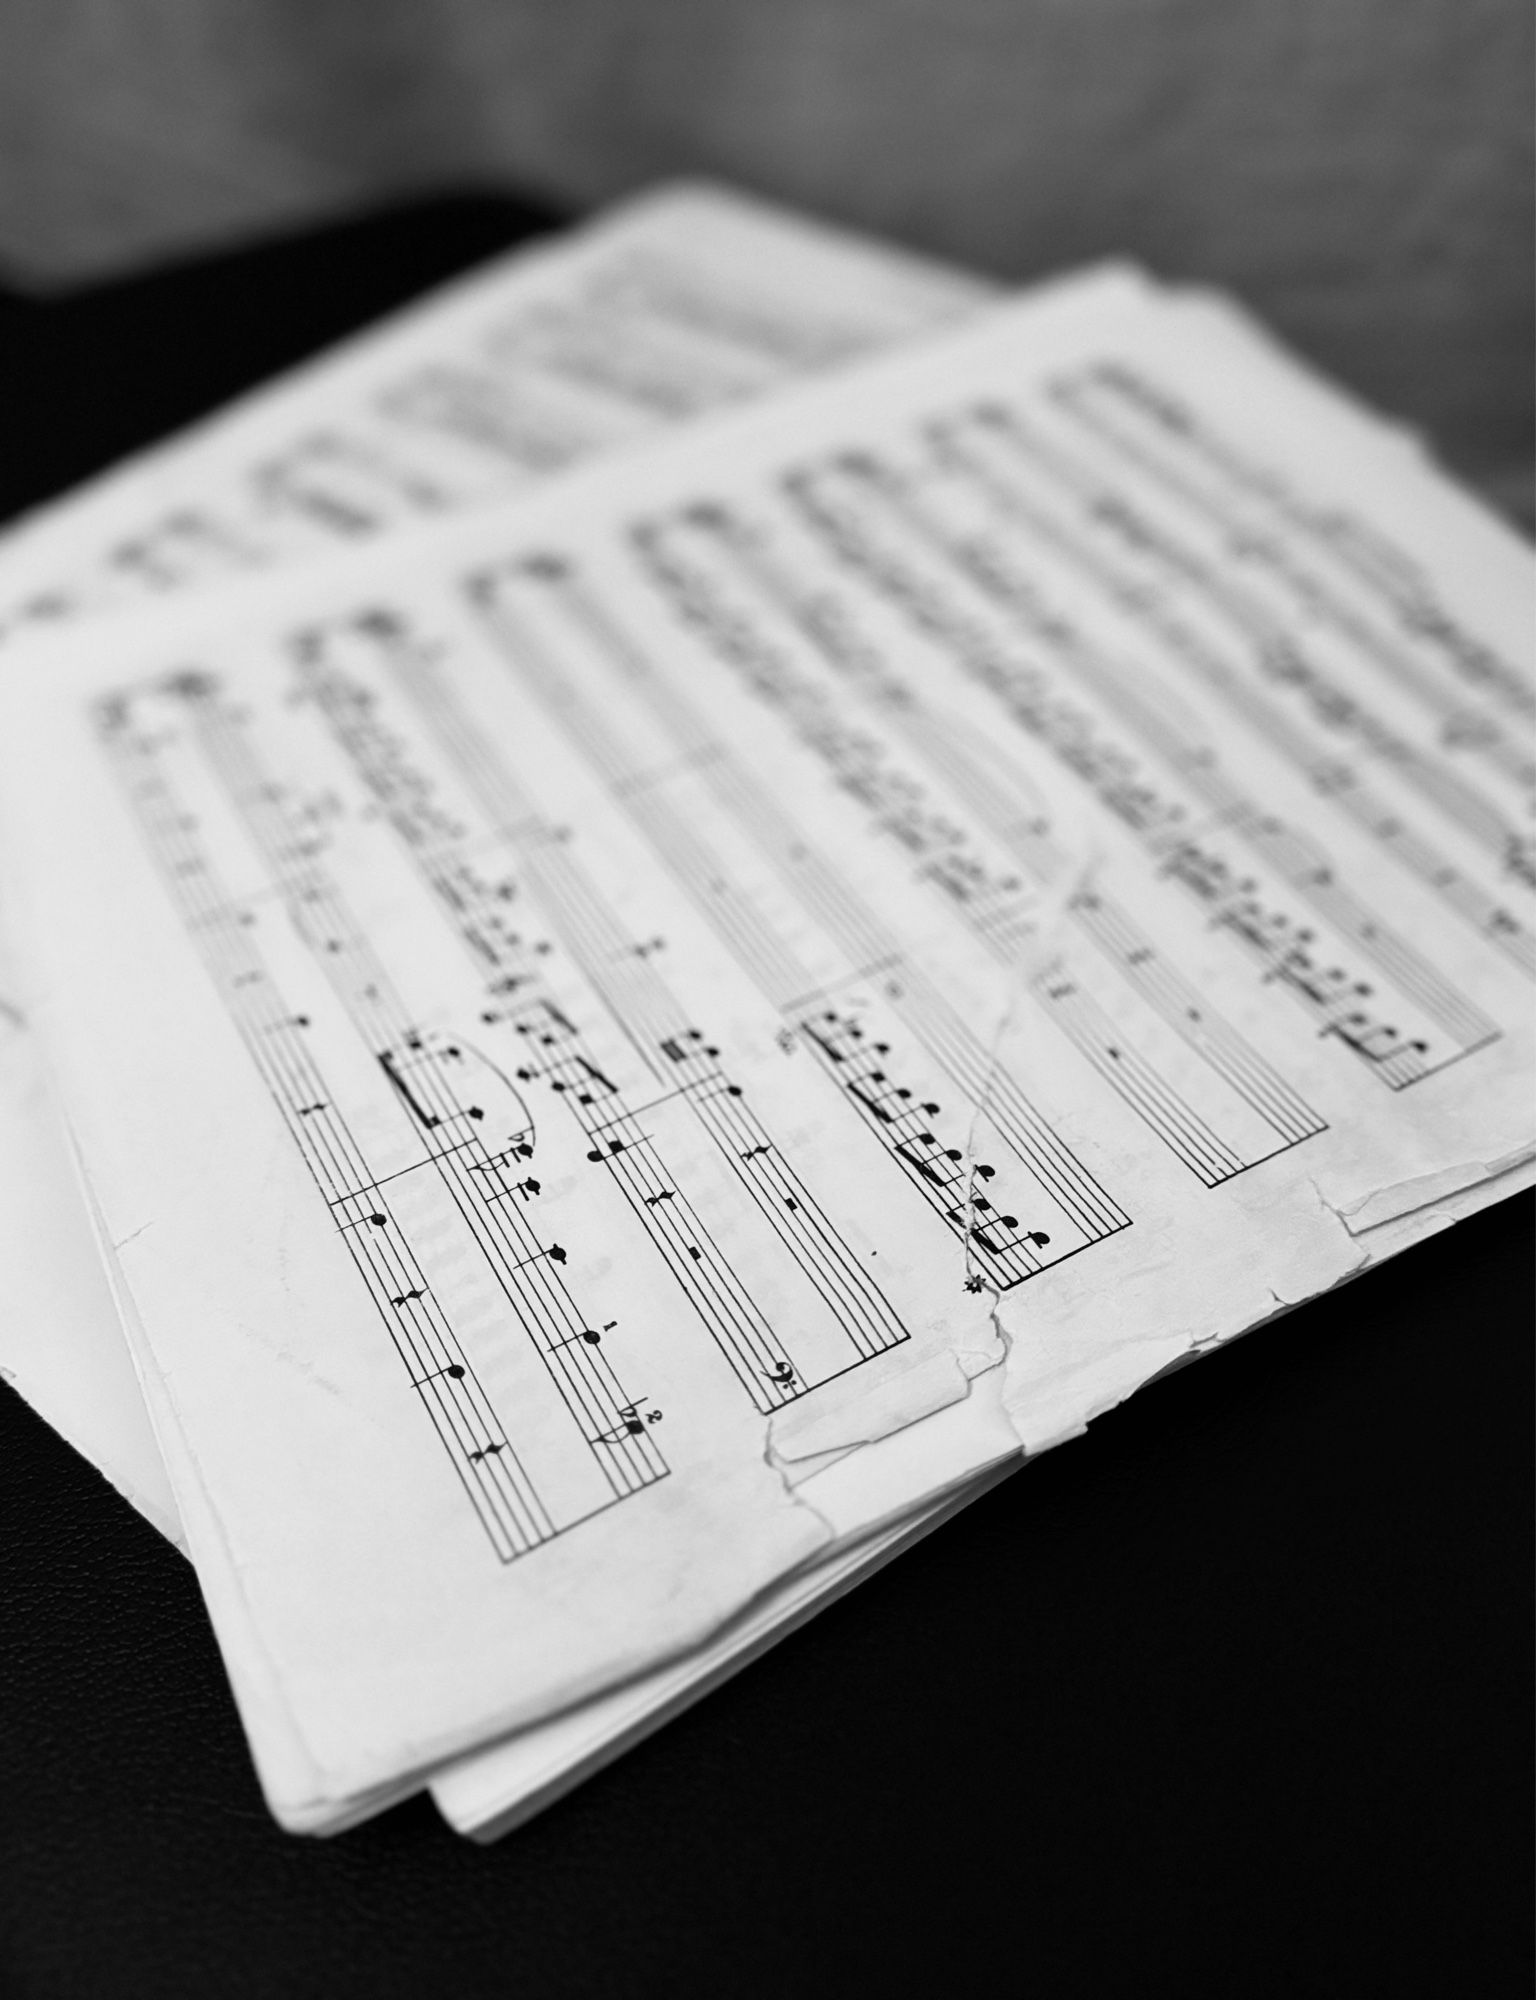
<point x="789" y="631"/>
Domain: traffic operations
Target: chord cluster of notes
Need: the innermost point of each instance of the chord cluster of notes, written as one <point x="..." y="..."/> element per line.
<point x="1001" y="1249"/>
<point x="478" y="1151"/>
<point x="684" y="1067"/>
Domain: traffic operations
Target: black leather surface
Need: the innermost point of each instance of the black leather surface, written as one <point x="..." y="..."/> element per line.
<point x="1228" y="1697"/>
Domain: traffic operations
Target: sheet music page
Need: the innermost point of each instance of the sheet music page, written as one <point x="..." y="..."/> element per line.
<point x="778" y="679"/>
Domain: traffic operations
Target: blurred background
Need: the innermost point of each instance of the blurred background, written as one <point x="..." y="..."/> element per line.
<point x="1359" y="171"/>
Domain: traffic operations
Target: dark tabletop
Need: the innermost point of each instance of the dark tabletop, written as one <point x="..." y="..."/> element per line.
<point x="1229" y="1697"/>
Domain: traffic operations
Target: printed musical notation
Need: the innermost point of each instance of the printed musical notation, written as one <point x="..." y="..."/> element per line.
<point x="1401" y="1018"/>
<point x="1148" y="572"/>
<point x="1259" y="1114"/>
<point x="672" y="777"/>
<point x="1367" y="588"/>
<point x="458" y="1168"/>
<point x="341" y="666"/>
<point x="999" y="1246"/>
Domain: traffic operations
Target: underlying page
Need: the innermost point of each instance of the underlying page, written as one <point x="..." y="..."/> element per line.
<point x="675" y="302"/>
<point x="711" y="768"/>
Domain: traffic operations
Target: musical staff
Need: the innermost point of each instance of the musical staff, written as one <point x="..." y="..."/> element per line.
<point x="510" y="1512"/>
<point x="469" y="1142"/>
<point x="625" y="975"/>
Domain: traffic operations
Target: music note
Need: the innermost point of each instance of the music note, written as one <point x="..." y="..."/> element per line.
<point x="631" y="1424"/>
<point x="417" y="1109"/>
<point x="875" y="1104"/>
<point x="672" y="1047"/>
<point x="828" y="1042"/>
<point x="1377" y="1041"/>
<point x="594" y="1086"/>
<point x="991" y="1241"/>
<point x="937" y="1164"/>
<point x="552" y="1017"/>
<point x="631" y="1427"/>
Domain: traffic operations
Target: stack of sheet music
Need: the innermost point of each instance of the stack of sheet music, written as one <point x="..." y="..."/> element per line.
<point x="673" y="909"/>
